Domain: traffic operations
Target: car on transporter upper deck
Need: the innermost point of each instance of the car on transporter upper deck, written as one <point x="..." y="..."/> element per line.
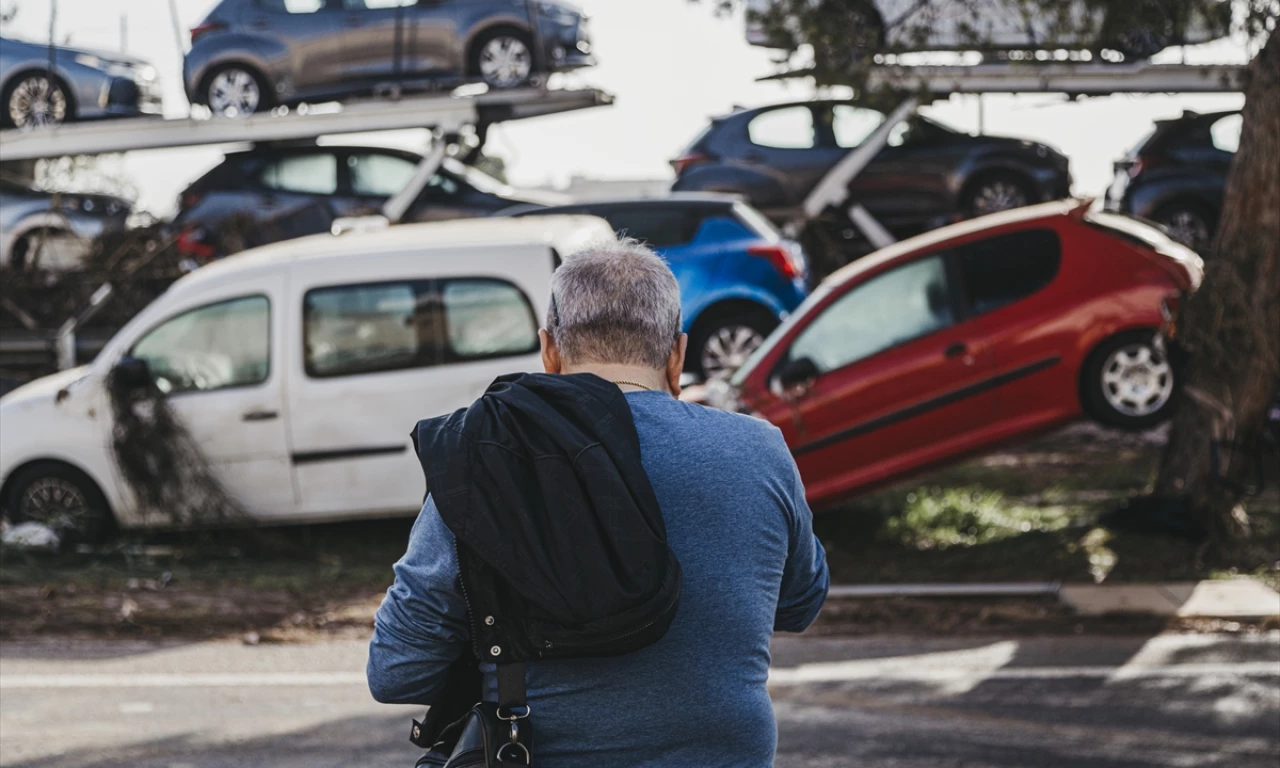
<point x="250" y="55"/>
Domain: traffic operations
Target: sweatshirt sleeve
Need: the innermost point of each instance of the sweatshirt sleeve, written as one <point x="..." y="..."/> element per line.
<point x="421" y="627"/>
<point x="805" y="579"/>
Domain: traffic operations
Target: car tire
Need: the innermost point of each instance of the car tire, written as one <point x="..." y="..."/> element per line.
<point x="36" y="100"/>
<point x="1128" y="383"/>
<point x="236" y="90"/>
<point x="1188" y="222"/>
<point x="723" y="340"/>
<point x="503" y="59"/>
<point x="63" y="498"/>
<point x="995" y="192"/>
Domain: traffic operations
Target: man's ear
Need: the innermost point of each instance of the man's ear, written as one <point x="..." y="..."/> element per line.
<point x="675" y="363"/>
<point x="551" y="360"/>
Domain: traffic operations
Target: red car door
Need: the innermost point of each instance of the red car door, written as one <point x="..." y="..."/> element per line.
<point x="1010" y="283"/>
<point x="902" y="380"/>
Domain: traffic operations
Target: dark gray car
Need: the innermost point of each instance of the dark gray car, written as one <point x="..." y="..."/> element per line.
<point x="250" y="55"/>
<point x="41" y="87"/>
<point x="273" y="193"/>
<point x="1175" y="176"/>
<point x="927" y="176"/>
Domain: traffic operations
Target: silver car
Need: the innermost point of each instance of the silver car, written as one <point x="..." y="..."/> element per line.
<point x="40" y="86"/>
<point x="53" y="231"/>
<point x="251" y="55"/>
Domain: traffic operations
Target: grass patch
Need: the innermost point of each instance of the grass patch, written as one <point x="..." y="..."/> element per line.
<point x="1031" y="514"/>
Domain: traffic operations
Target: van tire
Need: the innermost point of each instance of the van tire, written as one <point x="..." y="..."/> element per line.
<point x="62" y="497"/>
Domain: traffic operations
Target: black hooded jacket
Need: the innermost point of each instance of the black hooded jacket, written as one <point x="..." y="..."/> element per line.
<point x="561" y="546"/>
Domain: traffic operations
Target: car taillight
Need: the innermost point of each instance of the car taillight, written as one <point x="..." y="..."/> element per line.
<point x="685" y="162"/>
<point x="1169" y="314"/>
<point x="781" y="257"/>
<point x="204" y="28"/>
<point x="190" y="243"/>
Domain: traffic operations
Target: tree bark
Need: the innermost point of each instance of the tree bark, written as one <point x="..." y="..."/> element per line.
<point x="1230" y="328"/>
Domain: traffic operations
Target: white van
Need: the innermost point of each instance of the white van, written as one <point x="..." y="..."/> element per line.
<point x="299" y="369"/>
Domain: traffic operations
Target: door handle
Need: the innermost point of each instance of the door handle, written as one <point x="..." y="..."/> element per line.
<point x="956" y="350"/>
<point x="354" y="21"/>
<point x="260" y="416"/>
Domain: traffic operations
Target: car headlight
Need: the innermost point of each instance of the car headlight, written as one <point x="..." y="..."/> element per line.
<point x="115" y="68"/>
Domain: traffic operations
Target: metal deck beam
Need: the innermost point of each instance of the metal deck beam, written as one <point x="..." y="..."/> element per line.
<point x="1096" y="79"/>
<point x="447" y="113"/>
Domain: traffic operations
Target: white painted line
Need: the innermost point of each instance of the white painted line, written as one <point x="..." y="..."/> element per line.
<point x="850" y="671"/>
<point x="184" y="680"/>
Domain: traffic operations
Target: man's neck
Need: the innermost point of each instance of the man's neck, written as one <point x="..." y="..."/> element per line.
<point x="628" y="377"/>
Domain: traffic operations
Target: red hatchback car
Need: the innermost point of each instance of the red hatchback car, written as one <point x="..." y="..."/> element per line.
<point x="946" y="344"/>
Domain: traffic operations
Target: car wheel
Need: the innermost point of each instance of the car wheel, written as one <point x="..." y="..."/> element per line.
<point x="722" y="344"/>
<point x="61" y="497"/>
<point x="1188" y="223"/>
<point x="36" y="100"/>
<point x="235" y="91"/>
<point x="1130" y="383"/>
<point x="503" y="59"/>
<point x="994" y="193"/>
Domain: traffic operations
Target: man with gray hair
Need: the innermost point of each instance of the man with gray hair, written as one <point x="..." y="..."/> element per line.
<point x="736" y="519"/>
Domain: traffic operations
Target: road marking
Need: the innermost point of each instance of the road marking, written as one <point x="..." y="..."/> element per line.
<point x="184" y="680"/>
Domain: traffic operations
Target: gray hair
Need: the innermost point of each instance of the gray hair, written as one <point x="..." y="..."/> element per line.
<point x="615" y="302"/>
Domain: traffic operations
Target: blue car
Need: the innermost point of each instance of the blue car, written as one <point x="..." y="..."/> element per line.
<point x="39" y="87"/>
<point x="738" y="276"/>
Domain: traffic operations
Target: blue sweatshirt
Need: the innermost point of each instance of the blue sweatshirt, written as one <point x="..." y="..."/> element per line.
<point x="737" y="520"/>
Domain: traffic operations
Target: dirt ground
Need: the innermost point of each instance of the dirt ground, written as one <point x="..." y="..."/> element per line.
<point x="1025" y="514"/>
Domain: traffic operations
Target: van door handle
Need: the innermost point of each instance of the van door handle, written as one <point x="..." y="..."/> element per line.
<point x="260" y="416"/>
<point x="956" y="350"/>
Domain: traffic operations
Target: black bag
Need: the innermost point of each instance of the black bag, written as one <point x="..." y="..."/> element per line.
<point x="489" y="735"/>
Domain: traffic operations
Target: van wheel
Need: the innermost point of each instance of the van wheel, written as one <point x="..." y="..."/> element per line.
<point x="724" y="341"/>
<point x="63" y="498"/>
<point x="1128" y="383"/>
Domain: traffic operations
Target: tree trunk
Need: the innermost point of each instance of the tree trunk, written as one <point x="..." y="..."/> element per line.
<point x="1230" y="328"/>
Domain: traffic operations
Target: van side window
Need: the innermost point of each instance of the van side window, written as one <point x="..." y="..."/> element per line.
<point x="217" y="346"/>
<point x="487" y="318"/>
<point x="353" y="329"/>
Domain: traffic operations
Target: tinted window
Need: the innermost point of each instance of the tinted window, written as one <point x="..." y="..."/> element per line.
<point x="364" y="5"/>
<point x="852" y="125"/>
<point x="291" y="6"/>
<point x="1225" y="133"/>
<point x="214" y="347"/>
<point x="1003" y="269"/>
<point x="487" y="318"/>
<point x="656" y="226"/>
<point x="379" y="175"/>
<point x="889" y="309"/>
<point x="439" y="187"/>
<point x="310" y="174"/>
<point x="785" y="128"/>
<point x="366" y="328"/>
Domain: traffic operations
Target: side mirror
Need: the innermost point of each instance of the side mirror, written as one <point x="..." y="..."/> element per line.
<point x="132" y="373"/>
<point x="797" y="373"/>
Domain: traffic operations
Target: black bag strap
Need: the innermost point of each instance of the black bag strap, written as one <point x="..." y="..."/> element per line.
<point x="511" y="691"/>
<point x="513" y="708"/>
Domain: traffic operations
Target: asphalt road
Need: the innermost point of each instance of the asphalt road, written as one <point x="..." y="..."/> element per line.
<point x="1170" y="700"/>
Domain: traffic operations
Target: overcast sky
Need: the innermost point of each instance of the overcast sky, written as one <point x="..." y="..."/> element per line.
<point x="670" y="63"/>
